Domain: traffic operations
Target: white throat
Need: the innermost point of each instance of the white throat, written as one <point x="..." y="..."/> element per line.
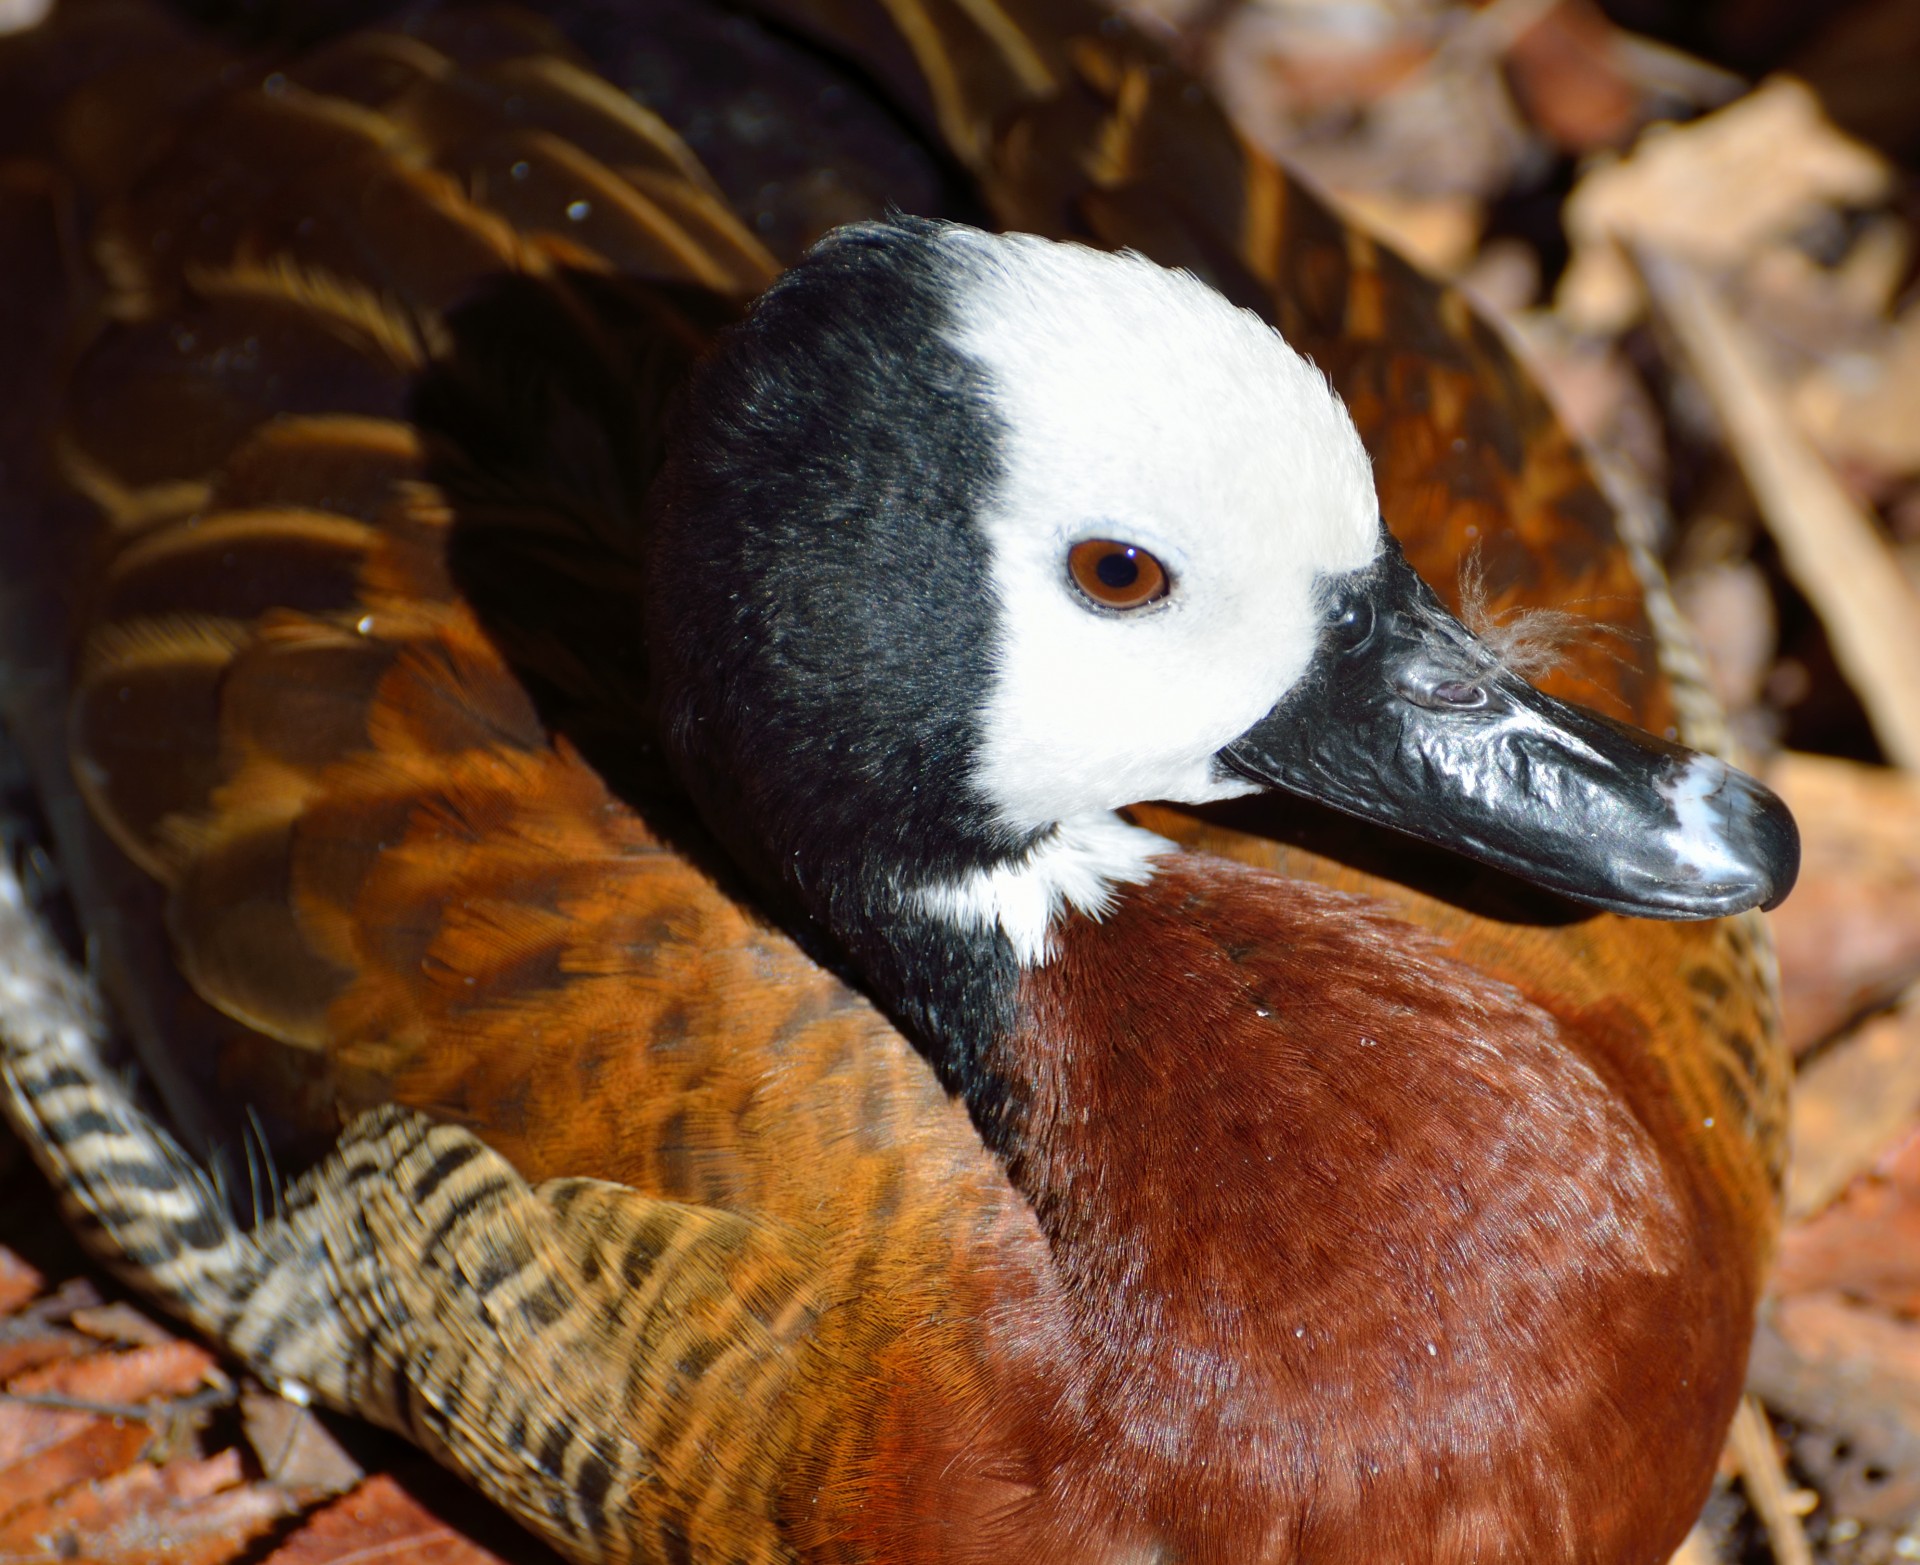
<point x="1077" y="868"/>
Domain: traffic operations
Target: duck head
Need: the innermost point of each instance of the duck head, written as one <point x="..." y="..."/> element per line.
<point x="968" y="540"/>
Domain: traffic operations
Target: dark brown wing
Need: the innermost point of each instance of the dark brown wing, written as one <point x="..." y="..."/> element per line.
<point x="356" y="435"/>
<point x="336" y="506"/>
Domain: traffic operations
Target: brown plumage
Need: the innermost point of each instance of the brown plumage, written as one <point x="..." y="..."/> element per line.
<point x="349" y="368"/>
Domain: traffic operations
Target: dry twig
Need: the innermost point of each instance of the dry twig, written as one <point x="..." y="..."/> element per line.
<point x="1766" y="1484"/>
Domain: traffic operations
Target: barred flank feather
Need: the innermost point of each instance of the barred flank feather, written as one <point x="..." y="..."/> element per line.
<point x="415" y="1279"/>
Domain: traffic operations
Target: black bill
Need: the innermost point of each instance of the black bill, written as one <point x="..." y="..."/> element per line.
<point x="1406" y="719"/>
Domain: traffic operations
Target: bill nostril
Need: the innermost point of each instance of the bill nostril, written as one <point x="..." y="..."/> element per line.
<point x="1460" y="693"/>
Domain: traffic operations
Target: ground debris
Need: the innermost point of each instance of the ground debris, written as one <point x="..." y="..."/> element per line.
<point x="120" y="1444"/>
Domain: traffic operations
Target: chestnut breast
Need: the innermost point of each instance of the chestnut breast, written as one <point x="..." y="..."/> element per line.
<point x="1498" y="1287"/>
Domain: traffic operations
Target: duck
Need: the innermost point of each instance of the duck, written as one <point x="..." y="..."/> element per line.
<point x="626" y="759"/>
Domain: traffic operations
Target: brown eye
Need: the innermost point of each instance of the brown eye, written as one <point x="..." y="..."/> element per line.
<point x="1116" y="575"/>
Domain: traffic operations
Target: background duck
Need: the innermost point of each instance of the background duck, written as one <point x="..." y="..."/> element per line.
<point x="337" y="479"/>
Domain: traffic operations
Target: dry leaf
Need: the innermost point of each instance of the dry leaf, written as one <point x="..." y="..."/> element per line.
<point x="19" y="1282"/>
<point x="1407" y="99"/>
<point x="16" y="16"/>
<point x="171" y="1369"/>
<point x="1504" y="277"/>
<point x="1288" y="64"/>
<point x="185" y="1513"/>
<point x="1849" y="936"/>
<point x="46" y="1450"/>
<point x="1860" y="1435"/>
<point x="56" y="1450"/>
<point x="295" y="1448"/>
<point x="1695" y="1549"/>
<point x="1435" y="232"/>
<point x="1598" y="394"/>
<point x="1835" y="553"/>
<point x="379" y="1522"/>
<point x="1713" y="192"/>
<point x="29" y="1428"/>
<point x="1729" y="605"/>
<point x="1865" y="408"/>
<point x="1866" y="1245"/>
<point x="1827" y="1328"/>
<point x="1849" y="1104"/>
<point x="121" y="1323"/>
<point x="1567" y="77"/>
<point x="27" y="1344"/>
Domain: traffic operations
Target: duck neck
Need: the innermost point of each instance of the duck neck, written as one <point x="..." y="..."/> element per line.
<point x="947" y="951"/>
<point x="952" y="986"/>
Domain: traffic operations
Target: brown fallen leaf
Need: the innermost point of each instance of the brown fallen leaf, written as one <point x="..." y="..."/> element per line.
<point x="1829" y="1328"/>
<point x="1713" y="193"/>
<point x="1729" y="605"/>
<point x="1849" y="1104"/>
<point x="171" y="1369"/>
<point x="1862" y="1368"/>
<point x="58" y="1426"/>
<point x="1568" y="80"/>
<point x="1862" y="407"/>
<point x="17" y="16"/>
<point x="1437" y="233"/>
<point x="61" y="1450"/>
<point x="379" y="1524"/>
<point x="1285" y="65"/>
<point x="1598" y="394"/>
<point x="72" y="1296"/>
<point x="19" y="1282"/>
<point x="1849" y="936"/>
<point x="79" y="1483"/>
<point x="295" y="1448"/>
<point x="1866" y="1245"/>
<point x="191" y="1512"/>
<point x="1504" y="277"/>
<point x="1859" y="1437"/>
<point x="27" y="1342"/>
<point x="118" y="1322"/>
<point x="1695" y="1549"/>
<point x="1411" y="104"/>
<point x="28" y="1428"/>
<point x="1835" y="553"/>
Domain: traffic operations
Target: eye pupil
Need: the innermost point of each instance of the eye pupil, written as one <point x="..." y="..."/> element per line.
<point x="1116" y="575"/>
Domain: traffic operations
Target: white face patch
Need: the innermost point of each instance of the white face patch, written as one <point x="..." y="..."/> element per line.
<point x="1139" y="405"/>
